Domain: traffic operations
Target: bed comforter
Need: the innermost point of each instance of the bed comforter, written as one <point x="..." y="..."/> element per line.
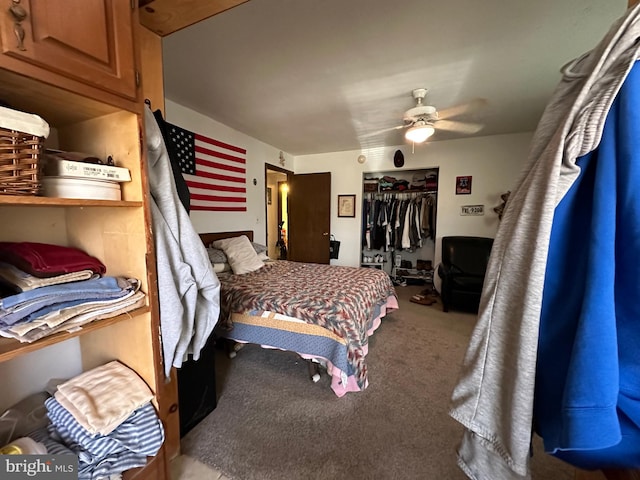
<point x="346" y="301"/>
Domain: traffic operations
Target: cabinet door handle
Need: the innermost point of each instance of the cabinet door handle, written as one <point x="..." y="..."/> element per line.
<point x="19" y="32"/>
<point x="19" y="14"/>
<point x="17" y="11"/>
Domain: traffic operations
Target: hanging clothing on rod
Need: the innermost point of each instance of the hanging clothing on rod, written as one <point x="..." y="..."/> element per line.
<point x="397" y="221"/>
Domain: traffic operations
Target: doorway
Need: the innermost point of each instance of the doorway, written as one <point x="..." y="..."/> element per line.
<point x="298" y="213"/>
<point x="309" y="217"/>
<point x="277" y="182"/>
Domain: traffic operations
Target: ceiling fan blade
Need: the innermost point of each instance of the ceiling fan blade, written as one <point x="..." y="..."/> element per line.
<point x="461" y="127"/>
<point x="469" y="107"/>
<point x="380" y="132"/>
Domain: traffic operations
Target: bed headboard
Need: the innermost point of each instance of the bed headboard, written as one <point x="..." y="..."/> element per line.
<point x="207" y="238"/>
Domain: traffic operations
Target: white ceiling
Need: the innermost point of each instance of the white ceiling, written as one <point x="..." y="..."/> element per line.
<point x="315" y="76"/>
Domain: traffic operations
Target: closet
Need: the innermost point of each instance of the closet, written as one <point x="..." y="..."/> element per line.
<point x="78" y="72"/>
<point x="398" y="222"/>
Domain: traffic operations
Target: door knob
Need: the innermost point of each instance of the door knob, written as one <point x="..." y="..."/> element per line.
<point x="325" y="234"/>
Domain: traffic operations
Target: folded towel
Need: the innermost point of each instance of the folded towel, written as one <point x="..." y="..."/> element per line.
<point x="30" y="123"/>
<point x="102" y="398"/>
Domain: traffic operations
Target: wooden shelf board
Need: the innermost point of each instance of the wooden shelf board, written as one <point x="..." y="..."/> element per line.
<point x="10" y="348"/>
<point x="408" y="190"/>
<point x="63" y="202"/>
<point x="167" y="16"/>
<point x="55" y="105"/>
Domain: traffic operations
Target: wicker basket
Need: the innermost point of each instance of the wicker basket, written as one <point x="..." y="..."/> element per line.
<point x="19" y="163"/>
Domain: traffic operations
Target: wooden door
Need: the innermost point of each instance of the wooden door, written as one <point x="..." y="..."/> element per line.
<point x="87" y="40"/>
<point x="309" y="217"/>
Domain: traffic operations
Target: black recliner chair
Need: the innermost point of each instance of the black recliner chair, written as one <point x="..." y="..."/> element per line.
<point x="464" y="264"/>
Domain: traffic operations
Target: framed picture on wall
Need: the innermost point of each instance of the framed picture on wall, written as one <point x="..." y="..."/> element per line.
<point x="346" y="205"/>
<point x="463" y="185"/>
<point x="268" y="195"/>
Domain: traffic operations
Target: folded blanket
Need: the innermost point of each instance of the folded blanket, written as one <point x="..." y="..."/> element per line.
<point x="102" y="398"/>
<point x="24" y="281"/>
<point x="26" y="306"/>
<point x="141" y="432"/>
<point x="46" y="260"/>
<point x="74" y="320"/>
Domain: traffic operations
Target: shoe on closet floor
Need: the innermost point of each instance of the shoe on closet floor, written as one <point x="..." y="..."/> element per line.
<point x="399" y="282"/>
<point x="423" y="299"/>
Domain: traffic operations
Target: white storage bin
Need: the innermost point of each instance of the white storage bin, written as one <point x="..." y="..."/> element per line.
<point x="69" y="187"/>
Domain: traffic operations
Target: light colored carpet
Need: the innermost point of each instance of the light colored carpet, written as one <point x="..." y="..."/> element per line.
<point x="272" y="422"/>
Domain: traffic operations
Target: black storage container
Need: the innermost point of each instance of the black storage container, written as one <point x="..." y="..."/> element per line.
<point x="197" y="388"/>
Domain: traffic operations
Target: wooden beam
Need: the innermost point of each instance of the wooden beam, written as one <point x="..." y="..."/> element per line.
<point x="151" y="67"/>
<point x="167" y="16"/>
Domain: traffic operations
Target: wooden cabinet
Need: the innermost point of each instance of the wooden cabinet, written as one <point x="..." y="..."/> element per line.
<point x="90" y="119"/>
<point x="90" y="41"/>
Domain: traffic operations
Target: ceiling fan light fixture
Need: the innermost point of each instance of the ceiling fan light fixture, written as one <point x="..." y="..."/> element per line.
<point x="419" y="133"/>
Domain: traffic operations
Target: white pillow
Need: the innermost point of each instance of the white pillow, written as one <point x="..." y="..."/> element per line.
<point x="221" y="267"/>
<point x="240" y="253"/>
<point x="264" y="257"/>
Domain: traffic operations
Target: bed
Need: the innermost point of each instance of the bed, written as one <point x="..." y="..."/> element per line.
<point x="324" y="313"/>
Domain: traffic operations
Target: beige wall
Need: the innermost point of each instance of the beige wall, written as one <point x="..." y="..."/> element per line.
<point x="258" y="154"/>
<point x="494" y="162"/>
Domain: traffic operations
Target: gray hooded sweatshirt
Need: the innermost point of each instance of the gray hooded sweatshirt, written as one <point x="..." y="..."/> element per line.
<point x="188" y="289"/>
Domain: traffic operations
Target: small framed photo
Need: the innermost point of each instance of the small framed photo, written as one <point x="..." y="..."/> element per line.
<point x="463" y="185"/>
<point x="268" y="195"/>
<point x="346" y="205"/>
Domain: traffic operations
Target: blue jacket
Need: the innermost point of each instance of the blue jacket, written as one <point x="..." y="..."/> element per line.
<point x="587" y="393"/>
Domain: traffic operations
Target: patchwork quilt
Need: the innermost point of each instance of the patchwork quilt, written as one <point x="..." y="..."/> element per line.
<point x="343" y="305"/>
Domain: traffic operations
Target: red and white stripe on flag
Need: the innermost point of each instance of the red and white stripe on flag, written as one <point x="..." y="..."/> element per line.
<point x="219" y="183"/>
<point x="215" y="171"/>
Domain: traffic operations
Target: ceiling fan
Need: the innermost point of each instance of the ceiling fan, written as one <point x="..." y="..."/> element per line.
<point x="423" y="120"/>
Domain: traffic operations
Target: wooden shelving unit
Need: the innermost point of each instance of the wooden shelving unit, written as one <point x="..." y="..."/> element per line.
<point x="10" y="348"/>
<point x="88" y="93"/>
<point x="65" y="202"/>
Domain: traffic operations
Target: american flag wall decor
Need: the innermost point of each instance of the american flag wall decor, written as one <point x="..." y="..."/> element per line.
<point x="215" y="171"/>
